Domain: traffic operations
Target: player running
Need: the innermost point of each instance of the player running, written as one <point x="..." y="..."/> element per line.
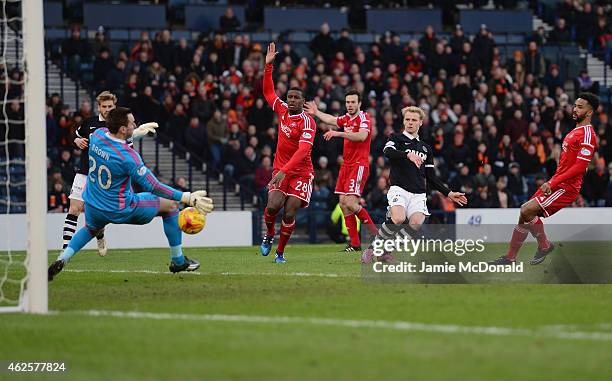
<point x="562" y="189"/>
<point x="355" y="168"/>
<point x="109" y="198"/>
<point x="291" y="184"/>
<point x="412" y="168"/>
<point x="106" y="102"/>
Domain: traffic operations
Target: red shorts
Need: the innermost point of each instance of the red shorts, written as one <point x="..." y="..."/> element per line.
<point x="554" y="202"/>
<point x="299" y="186"/>
<point x="352" y="179"/>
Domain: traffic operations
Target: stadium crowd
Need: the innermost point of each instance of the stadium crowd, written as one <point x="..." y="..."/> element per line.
<point x="496" y="127"/>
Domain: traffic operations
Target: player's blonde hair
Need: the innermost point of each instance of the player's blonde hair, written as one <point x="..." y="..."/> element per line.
<point x="414" y="109"/>
<point x="106" y="96"/>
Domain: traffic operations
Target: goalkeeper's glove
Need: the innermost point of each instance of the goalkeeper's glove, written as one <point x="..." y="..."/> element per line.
<point x="198" y="200"/>
<point x="144" y="130"/>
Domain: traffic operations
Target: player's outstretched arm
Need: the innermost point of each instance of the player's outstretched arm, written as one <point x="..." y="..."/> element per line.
<point x="144" y="130"/>
<point x="147" y="180"/>
<point x="312" y="108"/>
<point x="268" y="83"/>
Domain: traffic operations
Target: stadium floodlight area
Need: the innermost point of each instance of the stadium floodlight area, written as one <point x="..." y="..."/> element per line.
<point x="23" y="276"/>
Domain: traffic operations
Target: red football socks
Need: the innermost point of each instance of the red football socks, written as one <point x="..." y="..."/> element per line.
<point x="519" y="235"/>
<point x="351" y="226"/>
<point x="285" y="233"/>
<point x="365" y="218"/>
<point x="270" y="220"/>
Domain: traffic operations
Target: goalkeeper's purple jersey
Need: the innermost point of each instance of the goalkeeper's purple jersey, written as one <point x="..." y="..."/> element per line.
<point x="113" y="164"/>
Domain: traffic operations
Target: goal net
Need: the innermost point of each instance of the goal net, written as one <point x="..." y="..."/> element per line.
<point x="23" y="184"/>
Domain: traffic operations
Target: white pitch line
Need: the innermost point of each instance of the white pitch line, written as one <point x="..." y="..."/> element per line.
<point x="382" y="324"/>
<point x="297" y="274"/>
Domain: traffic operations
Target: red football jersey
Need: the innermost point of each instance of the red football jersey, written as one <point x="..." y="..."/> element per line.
<point x="579" y="144"/>
<point x="356" y="153"/>
<point x="293" y="129"/>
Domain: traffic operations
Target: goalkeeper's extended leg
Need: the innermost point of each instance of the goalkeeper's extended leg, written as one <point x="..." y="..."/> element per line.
<point x="80" y="239"/>
<point x="101" y="243"/>
<point x="168" y="210"/>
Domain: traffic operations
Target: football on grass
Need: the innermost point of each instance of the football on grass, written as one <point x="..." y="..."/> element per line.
<point x="191" y="221"/>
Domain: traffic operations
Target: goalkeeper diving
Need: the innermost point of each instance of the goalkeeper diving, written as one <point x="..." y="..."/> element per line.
<point x="109" y="197"/>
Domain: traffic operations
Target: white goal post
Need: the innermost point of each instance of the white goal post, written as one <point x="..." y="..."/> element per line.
<point x="35" y="299"/>
<point x="33" y="296"/>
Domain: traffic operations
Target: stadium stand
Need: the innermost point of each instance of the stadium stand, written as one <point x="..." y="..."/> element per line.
<point x="498" y="100"/>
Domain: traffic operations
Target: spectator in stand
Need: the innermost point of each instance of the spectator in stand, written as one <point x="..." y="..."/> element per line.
<point x="428" y="42"/>
<point x="345" y="45"/>
<point x="229" y="22"/>
<point x="247" y="165"/>
<point x="501" y="198"/>
<point x="202" y="107"/>
<point x="323" y="176"/>
<point x="196" y="138"/>
<point x="100" y="42"/>
<point x="75" y="49"/>
<point x="584" y="83"/>
<point x="101" y="67"/>
<point x="181" y="184"/>
<point x="483" y="48"/>
<point x="517" y="185"/>
<point x="561" y="33"/>
<point x="534" y="61"/>
<point x="263" y="175"/>
<point x="164" y="49"/>
<point x="232" y="156"/>
<point x="177" y="124"/>
<point x="67" y="167"/>
<point x="377" y="199"/>
<point x="218" y="135"/>
<point x="58" y="199"/>
<point x="595" y="186"/>
<point x="585" y="23"/>
<point x="552" y="79"/>
<point x="323" y="43"/>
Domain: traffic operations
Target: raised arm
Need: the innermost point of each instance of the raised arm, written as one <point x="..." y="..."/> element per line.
<point x="268" y="83"/>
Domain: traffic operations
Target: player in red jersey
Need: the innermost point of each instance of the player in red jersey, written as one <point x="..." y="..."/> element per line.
<point x="354" y="172"/>
<point x="291" y="183"/>
<point x="562" y="189"/>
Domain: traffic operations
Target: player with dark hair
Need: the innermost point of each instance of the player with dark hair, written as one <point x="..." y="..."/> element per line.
<point x="106" y="101"/>
<point x="355" y="168"/>
<point x="109" y="197"/>
<point x="291" y="184"/>
<point x="562" y="189"/>
<point x="412" y="170"/>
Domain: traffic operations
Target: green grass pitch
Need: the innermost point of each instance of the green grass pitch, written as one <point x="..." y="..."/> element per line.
<point x="243" y="317"/>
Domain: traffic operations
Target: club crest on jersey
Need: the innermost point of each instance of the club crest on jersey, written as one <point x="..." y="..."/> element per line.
<point x="286" y="129"/>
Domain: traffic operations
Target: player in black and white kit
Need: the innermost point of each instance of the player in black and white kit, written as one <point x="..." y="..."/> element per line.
<point x="412" y="169"/>
<point x="106" y="102"/>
